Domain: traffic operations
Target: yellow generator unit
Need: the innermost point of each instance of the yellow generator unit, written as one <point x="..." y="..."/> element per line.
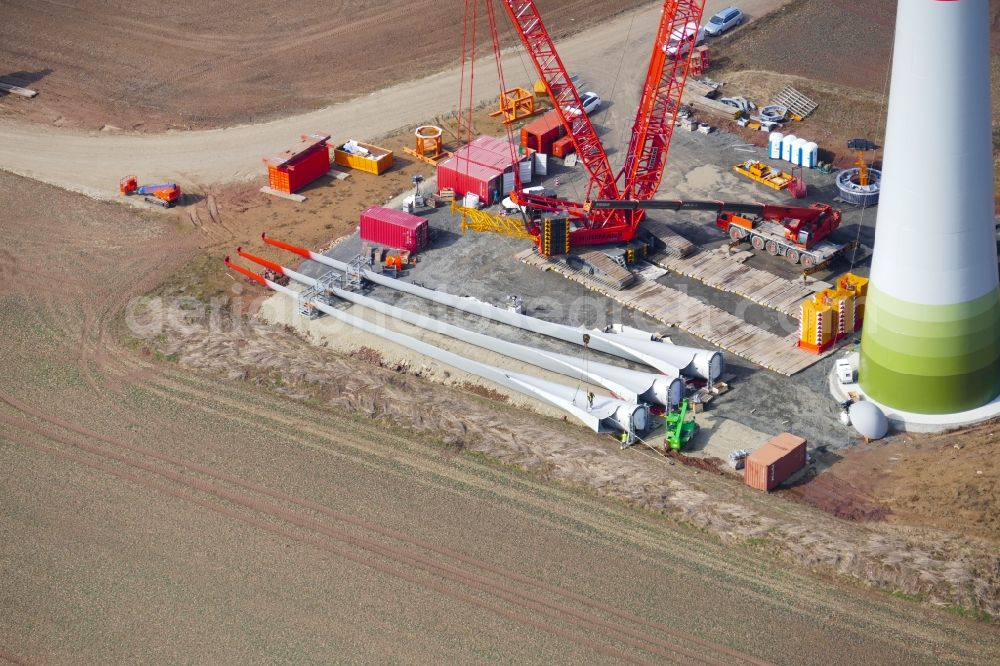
<point x="827" y="317"/>
<point x="859" y="287"/>
<point x="816" y="326"/>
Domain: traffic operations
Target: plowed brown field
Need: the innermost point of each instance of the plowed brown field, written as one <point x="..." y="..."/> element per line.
<point x="155" y="512"/>
<point x="214" y="63"/>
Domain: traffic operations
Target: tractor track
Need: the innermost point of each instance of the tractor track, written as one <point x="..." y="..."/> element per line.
<point x="495" y="581"/>
<point x="192" y="391"/>
<point x="195" y="391"/>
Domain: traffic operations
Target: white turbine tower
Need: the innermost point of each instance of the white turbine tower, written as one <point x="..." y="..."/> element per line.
<point x="931" y="338"/>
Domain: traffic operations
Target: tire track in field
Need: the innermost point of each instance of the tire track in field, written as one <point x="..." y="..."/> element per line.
<point x="395" y="535"/>
<point x="737" y="576"/>
<point x="527" y="600"/>
<point x="748" y="574"/>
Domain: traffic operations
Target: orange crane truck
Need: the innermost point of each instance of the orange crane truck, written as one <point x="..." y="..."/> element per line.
<point x="800" y="234"/>
<point x="163" y="194"/>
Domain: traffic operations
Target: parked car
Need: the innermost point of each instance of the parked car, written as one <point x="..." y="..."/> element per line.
<point x="682" y="38"/>
<point x="591" y="102"/>
<point x="724" y="20"/>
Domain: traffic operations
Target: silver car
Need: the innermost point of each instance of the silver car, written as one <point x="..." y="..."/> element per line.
<point x="723" y="21"/>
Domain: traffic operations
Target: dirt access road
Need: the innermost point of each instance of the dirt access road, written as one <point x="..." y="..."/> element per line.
<point x="204" y="64"/>
<point x="93" y="163"/>
<point x="154" y="513"/>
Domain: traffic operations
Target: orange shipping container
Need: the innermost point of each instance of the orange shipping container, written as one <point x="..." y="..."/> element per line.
<point x="563" y="147"/>
<point x="540" y="134"/>
<point x="774" y="462"/>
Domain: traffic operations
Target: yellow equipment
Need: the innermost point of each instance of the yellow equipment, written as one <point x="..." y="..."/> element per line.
<point x="832" y="314"/>
<point x="862" y="169"/>
<point x="858" y="285"/>
<point x="515" y="104"/>
<point x="429" y="145"/>
<point x="480" y="220"/>
<point x="764" y="174"/>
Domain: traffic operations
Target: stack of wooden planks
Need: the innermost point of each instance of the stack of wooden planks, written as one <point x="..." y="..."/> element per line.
<point x="674" y="244"/>
<point x="796" y="102"/>
<point x="612" y="270"/>
<point x="670" y="306"/>
<point x="728" y="274"/>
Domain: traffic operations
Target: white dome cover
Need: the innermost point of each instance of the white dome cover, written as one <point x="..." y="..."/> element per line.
<point x="869" y="420"/>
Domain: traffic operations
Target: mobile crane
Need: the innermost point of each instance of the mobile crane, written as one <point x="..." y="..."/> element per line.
<point x="556" y="225"/>
<point x="797" y="233"/>
<point x="563" y="224"/>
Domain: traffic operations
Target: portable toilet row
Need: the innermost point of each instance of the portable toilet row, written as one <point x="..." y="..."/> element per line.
<point x="800" y="152"/>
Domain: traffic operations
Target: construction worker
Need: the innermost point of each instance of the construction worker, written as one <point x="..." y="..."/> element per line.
<point x="590" y="400"/>
<point x="624" y="438"/>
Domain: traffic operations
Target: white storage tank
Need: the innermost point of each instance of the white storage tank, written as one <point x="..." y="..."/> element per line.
<point x="774" y="145"/>
<point x="797" y="147"/>
<point x="810" y="155"/>
<point x="786" y="147"/>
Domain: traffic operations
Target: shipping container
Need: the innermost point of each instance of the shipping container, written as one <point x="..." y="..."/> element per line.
<point x="563" y="147"/>
<point x="393" y="228"/>
<point x="542" y="133"/>
<point x="466" y="178"/>
<point x="478" y="168"/>
<point x="376" y="162"/>
<point x="292" y="170"/>
<point x="774" y="462"/>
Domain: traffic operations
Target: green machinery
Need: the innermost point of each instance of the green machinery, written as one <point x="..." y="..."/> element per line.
<point x="679" y="429"/>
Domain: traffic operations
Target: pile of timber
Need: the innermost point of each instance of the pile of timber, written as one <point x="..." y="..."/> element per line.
<point x="675" y="308"/>
<point x="608" y="269"/>
<point x="727" y="273"/>
<point x="697" y="96"/>
<point x="668" y="240"/>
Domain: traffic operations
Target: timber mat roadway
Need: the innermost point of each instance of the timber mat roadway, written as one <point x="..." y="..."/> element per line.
<point x="155" y="514"/>
<point x="93" y="163"/>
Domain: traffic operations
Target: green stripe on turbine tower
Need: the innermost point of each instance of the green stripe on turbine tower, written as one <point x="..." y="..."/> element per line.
<point x="931" y="359"/>
<point x="931" y="337"/>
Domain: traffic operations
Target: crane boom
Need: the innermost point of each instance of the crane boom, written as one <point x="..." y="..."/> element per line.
<point x="535" y="37"/>
<point x="765" y="210"/>
<point x="652" y="131"/>
<point x="661" y="98"/>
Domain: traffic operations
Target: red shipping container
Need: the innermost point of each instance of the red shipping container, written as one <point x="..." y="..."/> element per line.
<point x="563" y="147"/>
<point x="394" y="228"/>
<point x="294" y="169"/>
<point x="477" y="168"/>
<point x="542" y="133"/>
<point x="774" y="462"/>
<point x="467" y="178"/>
